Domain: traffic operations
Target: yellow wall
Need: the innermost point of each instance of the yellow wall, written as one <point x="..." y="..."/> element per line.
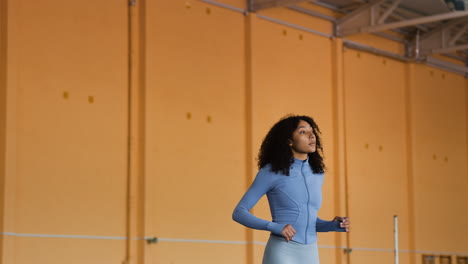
<point x="66" y="132"/>
<point x="308" y="92"/>
<point x="213" y="81"/>
<point x="376" y="153"/>
<point x="195" y="131"/>
<point x="3" y="27"/>
<point x="439" y="130"/>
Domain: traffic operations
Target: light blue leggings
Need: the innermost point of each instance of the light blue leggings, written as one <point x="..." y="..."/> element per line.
<point x="278" y="251"/>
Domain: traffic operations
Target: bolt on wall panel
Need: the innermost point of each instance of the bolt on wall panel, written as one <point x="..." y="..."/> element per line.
<point x="376" y="153"/>
<point x="439" y="129"/>
<point x="291" y="74"/>
<point x="195" y="131"/>
<point x="71" y="129"/>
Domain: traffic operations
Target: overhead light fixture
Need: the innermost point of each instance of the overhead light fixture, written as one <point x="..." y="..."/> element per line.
<point x="457" y="5"/>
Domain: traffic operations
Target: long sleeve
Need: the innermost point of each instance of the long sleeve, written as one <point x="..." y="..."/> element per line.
<point x="262" y="184"/>
<point x="327" y="226"/>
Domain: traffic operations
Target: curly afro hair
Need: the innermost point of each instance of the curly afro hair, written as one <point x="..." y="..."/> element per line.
<point x="275" y="149"/>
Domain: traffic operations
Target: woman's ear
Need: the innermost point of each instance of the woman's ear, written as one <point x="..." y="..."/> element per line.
<point x="290" y="143"/>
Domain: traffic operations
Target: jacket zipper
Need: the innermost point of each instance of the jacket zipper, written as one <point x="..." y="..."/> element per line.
<point x="308" y="198"/>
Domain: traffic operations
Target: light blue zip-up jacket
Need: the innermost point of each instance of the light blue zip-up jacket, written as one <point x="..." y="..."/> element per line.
<point x="293" y="199"/>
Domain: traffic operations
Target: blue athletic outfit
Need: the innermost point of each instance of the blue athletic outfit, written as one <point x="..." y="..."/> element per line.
<point x="293" y="199"/>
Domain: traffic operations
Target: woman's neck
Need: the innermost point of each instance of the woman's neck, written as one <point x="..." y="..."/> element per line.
<point x="300" y="156"/>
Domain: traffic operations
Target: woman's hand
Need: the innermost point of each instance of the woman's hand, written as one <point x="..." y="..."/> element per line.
<point x="344" y="222"/>
<point x="288" y="232"/>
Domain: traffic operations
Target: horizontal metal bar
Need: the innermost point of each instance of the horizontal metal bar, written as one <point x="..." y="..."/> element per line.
<point x="436" y="63"/>
<point x="332" y="19"/>
<point x="63" y="236"/>
<point x="360" y="11"/>
<point x="396" y="15"/>
<point x="450" y="49"/>
<point x="215" y="242"/>
<point x="326" y="5"/>
<point x="375" y="249"/>
<point x="274" y="20"/>
<point x="458" y="35"/>
<point x="388" y="11"/>
<point x="358" y="46"/>
<point x="201" y="241"/>
<point x="390" y="37"/>
<point x="258" y="6"/>
<point x="448" y="66"/>
<point x="312" y="13"/>
<point x="456" y="57"/>
<point x="232" y="8"/>
<point x="415" y="21"/>
<point x="440" y="67"/>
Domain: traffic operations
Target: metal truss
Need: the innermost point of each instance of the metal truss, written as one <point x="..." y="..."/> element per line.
<point x="371" y="17"/>
<point x="257" y="5"/>
<point x="422" y="35"/>
<point x="365" y="18"/>
<point x="443" y="39"/>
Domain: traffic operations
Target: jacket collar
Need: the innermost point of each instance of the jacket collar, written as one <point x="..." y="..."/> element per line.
<point x="298" y="163"/>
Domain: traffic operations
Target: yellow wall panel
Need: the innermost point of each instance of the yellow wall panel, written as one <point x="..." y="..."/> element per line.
<point x="327" y="254"/>
<point x="235" y="3"/>
<point x="42" y="250"/>
<point x="68" y="128"/>
<point x="297" y="81"/>
<point x="3" y="71"/>
<point x="197" y="253"/>
<point x="320" y="9"/>
<point x="195" y="129"/>
<point x="3" y="82"/>
<point x="72" y="118"/>
<point x="379" y="43"/>
<point x="384" y="257"/>
<point x="258" y="253"/>
<point x="438" y="109"/>
<point x="448" y="59"/>
<point x="299" y="19"/>
<point x="376" y="149"/>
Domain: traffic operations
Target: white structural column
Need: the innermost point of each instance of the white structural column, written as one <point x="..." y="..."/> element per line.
<point x="395" y="238"/>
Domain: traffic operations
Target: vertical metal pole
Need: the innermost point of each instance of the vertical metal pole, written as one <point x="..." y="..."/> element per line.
<point x="395" y="236"/>
<point x="416" y="49"/>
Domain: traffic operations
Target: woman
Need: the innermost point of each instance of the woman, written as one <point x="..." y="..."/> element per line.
<point x="291" y="175"/>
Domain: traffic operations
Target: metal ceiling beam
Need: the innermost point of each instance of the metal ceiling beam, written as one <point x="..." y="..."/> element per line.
<point x="312" y="13"/>
<point x="389" y="11"/>
<point x="415" y="21"/>
<point x="445" y="65"/>
<point x="333" y="20"/>
<point x="450" y="49"/>
<point x="370" y="14"/>
<point x="442" y="39"/>
<point x="402" y="13"/>
<point x="371" y="17"/>
<point x="257" y="5"/>
<point x="358" y="13"/>
<point x="458" y="35"/>
<point x="399" y="17"/>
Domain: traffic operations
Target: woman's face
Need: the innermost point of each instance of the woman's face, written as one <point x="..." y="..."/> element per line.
<point x="303" y="140"/>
